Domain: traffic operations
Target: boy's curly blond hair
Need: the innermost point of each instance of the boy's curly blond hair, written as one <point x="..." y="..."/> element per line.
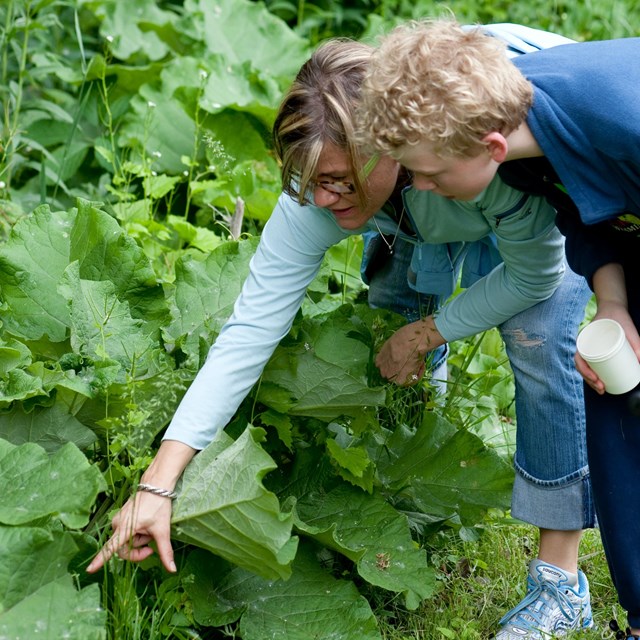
<point x="434" y="81"/>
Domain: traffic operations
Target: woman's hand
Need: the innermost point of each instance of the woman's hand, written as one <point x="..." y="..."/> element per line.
<point x="146" y="516"/>
<point x="143" y="518"/>
<point x="401" y="358"/>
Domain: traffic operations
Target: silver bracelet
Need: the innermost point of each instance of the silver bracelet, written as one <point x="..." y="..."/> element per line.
<point x="165" y="493"/>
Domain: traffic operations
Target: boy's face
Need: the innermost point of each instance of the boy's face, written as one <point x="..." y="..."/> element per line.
<point x="455" y="178"/>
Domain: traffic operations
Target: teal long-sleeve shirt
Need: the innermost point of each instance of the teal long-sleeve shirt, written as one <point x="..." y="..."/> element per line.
<point x="291" y="250"/>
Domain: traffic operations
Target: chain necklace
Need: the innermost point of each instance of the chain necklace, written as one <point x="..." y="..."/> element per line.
<point x="391" y="244"/>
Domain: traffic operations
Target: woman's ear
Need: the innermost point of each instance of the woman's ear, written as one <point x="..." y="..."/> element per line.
<point x="496" y="145"/>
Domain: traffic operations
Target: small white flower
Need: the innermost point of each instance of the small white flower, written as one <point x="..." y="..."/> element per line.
<point x="307" y="346"/>
<point x="185" y="173"/>
<point x="203" y="74"/>
<point x="109" y="38"/>
<point x="3" y="184"/>
<point x="154" y="173"/>
<point x="151" y="104"/>
<point x="157" y="154"/>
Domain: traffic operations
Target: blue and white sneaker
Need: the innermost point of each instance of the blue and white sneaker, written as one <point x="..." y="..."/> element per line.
<point x="556" y="602"/>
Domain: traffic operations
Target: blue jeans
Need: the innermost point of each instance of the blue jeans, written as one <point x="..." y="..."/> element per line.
<point x="552" y="488"/>
<point x="613" y="439"/>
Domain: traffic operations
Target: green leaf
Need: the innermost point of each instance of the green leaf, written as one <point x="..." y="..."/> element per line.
<point x="311" y="604"/>
<point x="246" y="31"/>
<point x="237" y="133"/>
<point x="157" y="187"/>
<point x="282" y="424"/>
<point x="221" y="275"/>
<point x="197" y="237"/>
<point x="317" y="388"/>
<point x="19" y="384"/>
<point x="31" y="262"/>
<point x="105" y="252"/>
<point x="158" y="124"/>
<point x="445" y="471"/>
<point x="240" y="87"/>
<point x="224" y="508"/>
<point x="121" y="25"/>
<point x="103" y="328"/>
<point x="13" y="353"/>
<point x="369" y="531"/>
<point x="49" y="427"/>
<point x="30" y="559"/>
<point x="57" y="611"/>
<point x="355" y="459"/>
<point x="36" y="485"/>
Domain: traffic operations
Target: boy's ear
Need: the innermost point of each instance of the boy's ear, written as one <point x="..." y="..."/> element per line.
<point x="497" y="146"/>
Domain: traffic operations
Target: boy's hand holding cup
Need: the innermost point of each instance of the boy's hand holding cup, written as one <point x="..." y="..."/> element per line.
<point x="603" y="345"/>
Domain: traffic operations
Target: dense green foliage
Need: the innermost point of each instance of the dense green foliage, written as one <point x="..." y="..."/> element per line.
<point x="135" y="176"/>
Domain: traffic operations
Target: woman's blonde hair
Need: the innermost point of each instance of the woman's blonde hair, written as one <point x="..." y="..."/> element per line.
<point x="434" y="81"/>
<point x="319" y="108"/>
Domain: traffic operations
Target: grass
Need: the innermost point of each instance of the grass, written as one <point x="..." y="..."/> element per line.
<point x="481" y="580"/>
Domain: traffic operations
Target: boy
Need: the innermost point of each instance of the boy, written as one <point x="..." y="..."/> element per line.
<point x="562" y="122"/>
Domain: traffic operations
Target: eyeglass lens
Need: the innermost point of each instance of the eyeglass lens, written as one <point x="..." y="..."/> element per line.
<point x="337" y="187"/>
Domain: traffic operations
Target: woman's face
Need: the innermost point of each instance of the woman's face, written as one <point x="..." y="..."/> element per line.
<point x="334" y="166"/>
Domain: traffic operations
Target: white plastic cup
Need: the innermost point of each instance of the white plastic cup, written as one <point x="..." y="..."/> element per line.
<point x="603" y="345"/>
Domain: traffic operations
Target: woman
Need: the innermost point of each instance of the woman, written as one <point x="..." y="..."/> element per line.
<point x="331" y="191"/>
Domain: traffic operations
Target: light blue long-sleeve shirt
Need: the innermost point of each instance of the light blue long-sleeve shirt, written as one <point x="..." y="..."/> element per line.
<point x="291" y="250"/>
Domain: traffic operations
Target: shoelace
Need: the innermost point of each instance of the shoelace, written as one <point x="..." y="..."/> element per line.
<point x="537" y="593"/>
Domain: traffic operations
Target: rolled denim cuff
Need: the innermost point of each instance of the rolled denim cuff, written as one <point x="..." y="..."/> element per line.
<point x="561" y="505"/>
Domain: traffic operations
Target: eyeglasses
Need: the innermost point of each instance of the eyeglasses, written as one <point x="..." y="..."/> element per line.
<point x="345" y="188"/>
<point x="336" y="186"/>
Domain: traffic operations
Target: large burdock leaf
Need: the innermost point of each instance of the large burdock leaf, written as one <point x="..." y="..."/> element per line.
<point x="39" y="250"/>
<point x="50" y="427"/>
<point x="30" y="559"/>
<point x="223" y="507"/>
<point x="315" y="388"/>
<point x="324" y="370"/>
<point x="31" y="262"/>
<point x="121" y="25"/>
<point x="310" y="605"/>
<point x="103" y="328"/>
<point x="35" y="485"/>
<point x="20" y="385"/>
<point x="446" y="472"/>
<point x="105" y="252"/>
<point x="199" y="316"/>
<point x="13" y="354"/>
<point x="368" y="530"/>
<point x="240" y="87"/>
<point x="245" y="31"/>
<point x="56" y="610"/>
